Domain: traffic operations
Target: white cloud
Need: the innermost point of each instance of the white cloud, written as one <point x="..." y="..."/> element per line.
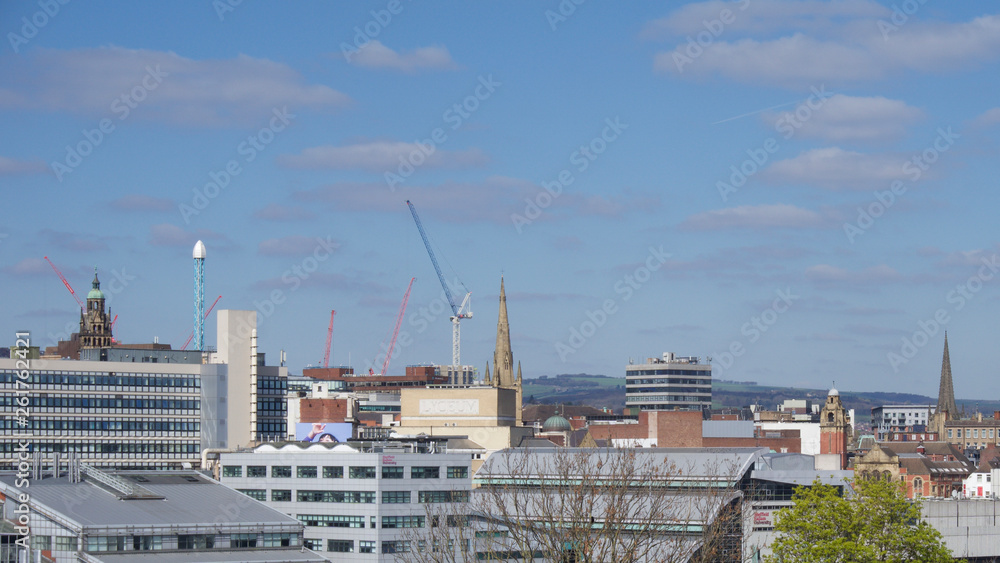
<point x="858" y="51"/>
<point x="376" y="55"/>
<point x="988" y="118"/>
<point x="754" y="217"/>
<point x="762" y="15"/>
<point x="380" y="156"/>
<point x="825" y="273"/>
<point x="837" y="169"/>
<point x="11" y="167"/>
<point x="175" y="89"/>
<point x="849" y="118"/>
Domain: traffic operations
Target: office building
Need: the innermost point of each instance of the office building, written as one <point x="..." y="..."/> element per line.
<point x="668" y="383"/>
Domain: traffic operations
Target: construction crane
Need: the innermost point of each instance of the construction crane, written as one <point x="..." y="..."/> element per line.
<point x="66" y="283"/>
<point x="459" y="312"/>
<point x="395" y="331"/>
<point x="329" y="341"/>
<point x="209" y="311"/>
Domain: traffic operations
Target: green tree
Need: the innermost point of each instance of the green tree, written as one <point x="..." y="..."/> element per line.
<point x="876" y="523"/>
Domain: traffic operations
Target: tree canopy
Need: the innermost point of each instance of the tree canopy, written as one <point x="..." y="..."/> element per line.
<point x="876" y="523"/>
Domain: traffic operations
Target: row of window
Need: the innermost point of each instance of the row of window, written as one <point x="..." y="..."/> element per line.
<point x="388" y="522"/>
<point x="633" y="372"/>
<point x="38" y="378"/>
<point x="337" y="472"/>
<point x="357" y="497"/>
<point x="671" y="398"/>
<point x="669" y="381"/>
<point x="106" y="425"/>
<point x="105" y="402"/>
<point x="158" y="448"/>
<point x="971" y="432"/>
<point x="705" y="389"/>
<point x="184" y="541"/>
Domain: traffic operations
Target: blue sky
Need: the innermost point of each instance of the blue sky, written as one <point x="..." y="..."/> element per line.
<point x="802" y="190"/>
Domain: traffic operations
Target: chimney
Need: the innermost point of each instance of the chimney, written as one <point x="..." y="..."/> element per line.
<point x="920" y="448"/>
<point x="996" y="415"/>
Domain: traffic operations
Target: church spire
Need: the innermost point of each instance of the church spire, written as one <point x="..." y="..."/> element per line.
<point x="946" y="391"/>
<point x="503" y="357"/>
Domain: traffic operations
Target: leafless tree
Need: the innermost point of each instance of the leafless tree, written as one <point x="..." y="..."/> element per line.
<point x="589" y="505"/>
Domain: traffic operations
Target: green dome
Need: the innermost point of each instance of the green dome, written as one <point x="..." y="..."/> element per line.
<point x="96" y="292"/>
<point x="556" y="423"/>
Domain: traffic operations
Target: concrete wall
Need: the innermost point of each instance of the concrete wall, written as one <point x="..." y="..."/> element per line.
<point x="969" y="527"/>
<point x="233" y="339"/>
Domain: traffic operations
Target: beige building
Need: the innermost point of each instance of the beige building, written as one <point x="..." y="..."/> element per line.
<point x="489" y="414"/>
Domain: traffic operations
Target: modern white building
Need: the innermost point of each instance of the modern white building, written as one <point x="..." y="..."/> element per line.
<point x="669" y="383"/>
<point x="363" y="501"/>
<point x="900" y="418"/>
<point x="144" y="413"/>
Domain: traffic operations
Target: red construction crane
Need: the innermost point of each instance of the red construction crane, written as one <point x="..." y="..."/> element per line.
<point x="188" y="341"/>
<point x="329" y="341"/>
<point x="395" y="332"/>
<point x="66" y="283"/>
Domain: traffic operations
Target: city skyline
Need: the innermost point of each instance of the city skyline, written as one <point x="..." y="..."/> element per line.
<point x="798" y="189"/>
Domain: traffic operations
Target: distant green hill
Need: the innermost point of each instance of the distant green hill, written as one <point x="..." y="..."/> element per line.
<point x="604" y="391"/>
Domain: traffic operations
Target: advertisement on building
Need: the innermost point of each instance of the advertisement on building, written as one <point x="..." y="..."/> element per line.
<point x="323" y="431"/>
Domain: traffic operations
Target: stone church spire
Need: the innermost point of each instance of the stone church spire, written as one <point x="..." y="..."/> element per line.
<point x="503" y="357"/>
<point x="946" y="392"/>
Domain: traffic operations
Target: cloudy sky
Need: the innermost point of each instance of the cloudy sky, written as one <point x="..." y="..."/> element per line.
<point x="803" y="190"/>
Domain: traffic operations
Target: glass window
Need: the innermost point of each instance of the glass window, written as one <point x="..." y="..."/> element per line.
<point x="458" y="472"/>
<point x="333" y="472"/>
<point x="232" y="471"/>
<point x="366" y="546"/>
<point x="362" y="472"/>
<point x="279" y="495"/>
<point x="41" y="542"/>
<point x="281" y="471"/>
<point x="256" y="471"/>
<point x="332" y="520"/>
<point x="65" y="543"/>
<point x="396" y="546"/>
<point x="315" y="545"/>
<point x="418" y="472"/>
<point x="949" y="432"/>
<point x="147" y="543"/>
<point x="256" y="494"/>
<point x="402" y="522"/>
<point x="442" y="496"/>
<point x="242" y="540"/>
<point x="392" y="472"/>
<point x="306" y="472"/>
<point x="395" y="497"/>
<point x="958" y="432"/>
<point x="975" y="432"/>
<point x="340" y="546"/>
<point x="195" y="541"/>
<point x="280" y="540"/>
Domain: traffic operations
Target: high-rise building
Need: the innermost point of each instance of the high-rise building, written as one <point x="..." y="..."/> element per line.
<point x="669" y="383"/>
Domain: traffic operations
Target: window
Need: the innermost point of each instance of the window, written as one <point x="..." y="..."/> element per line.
<point x="281" y="471"/>
<point x="281" y="495"/>
<point x="333" y="472"/>
<point x="402" y="522"/>
<point x="306" y="472"/>
<point x="242" y="540"/>
<point x="918" y="488"/>
<point x="332" y="520"/>
<point x="442" y="496"/>
<point x="458" y="472"/>
<point x="256" y="471"/>
<point x="195" y="541"/>
<point x="147" y="543"/>
<point x="975" y="432"/>
<point x="362" y="472"/>
<point x="356" y="497"/>
<point x="397" y="546"/>
<point x="315" y="545"/>
<point x="280" y="540"/>
<point x="392" y="472"/>
<point x="949" y="432"/>
<point x="340" y="546"/>
<point x="366" y="546"/>
<point x="395" y="497"/>
<point x="41" y="542"/>
<point x="232" y="471"/>
<point x="958" y="432"/>
<point x="256" y="494"/>
<point x="106" y="543"/>
<point x="425" y="472"/>
<point x="65" y="544"/>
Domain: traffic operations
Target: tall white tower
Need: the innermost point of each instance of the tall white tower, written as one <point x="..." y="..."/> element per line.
<point x="199" y="295"/>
